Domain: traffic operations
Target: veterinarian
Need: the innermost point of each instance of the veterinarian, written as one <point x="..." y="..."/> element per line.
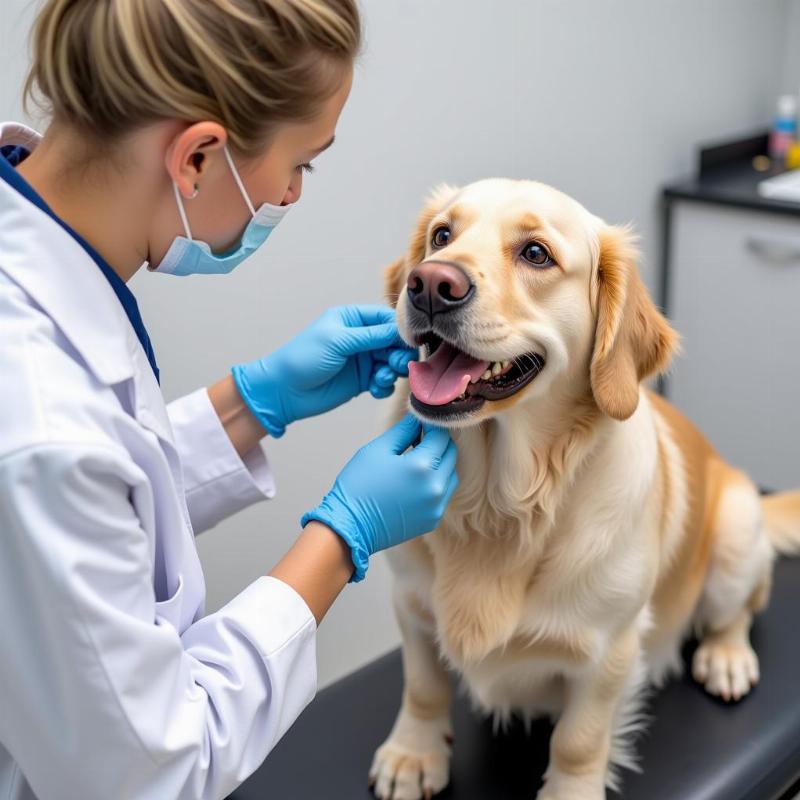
<point x="179" y="133"/>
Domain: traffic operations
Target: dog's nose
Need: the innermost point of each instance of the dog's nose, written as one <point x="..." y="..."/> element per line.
<point x="437" y="286"/>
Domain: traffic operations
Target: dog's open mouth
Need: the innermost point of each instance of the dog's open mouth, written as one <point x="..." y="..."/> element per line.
<point x="452" y="382"/>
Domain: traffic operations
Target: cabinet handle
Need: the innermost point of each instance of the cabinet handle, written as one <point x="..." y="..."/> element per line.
<point x="778" y="251"/>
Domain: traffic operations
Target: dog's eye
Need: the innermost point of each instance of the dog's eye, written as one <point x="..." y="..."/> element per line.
<point x="535" y="254"/>
<point x="441" y="236"/>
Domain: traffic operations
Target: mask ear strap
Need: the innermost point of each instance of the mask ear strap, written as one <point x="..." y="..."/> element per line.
<point x="239" y="181"/>
<point x="182" y="211"/>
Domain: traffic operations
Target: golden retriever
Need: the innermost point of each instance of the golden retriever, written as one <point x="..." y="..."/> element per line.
<point x="594" y="527"/>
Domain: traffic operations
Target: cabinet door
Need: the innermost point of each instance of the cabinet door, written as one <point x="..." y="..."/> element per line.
<point x="735" y="300"/>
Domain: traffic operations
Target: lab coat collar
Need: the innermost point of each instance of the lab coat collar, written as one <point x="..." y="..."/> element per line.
<point x="40" y="256"/>
<point x="19" y="135"/>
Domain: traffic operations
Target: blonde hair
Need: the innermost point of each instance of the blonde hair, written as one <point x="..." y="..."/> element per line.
<point x="108" y="67"/>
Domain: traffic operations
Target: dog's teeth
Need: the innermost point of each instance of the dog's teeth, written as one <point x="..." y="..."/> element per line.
<point x="486" y="375"/>
<point x="496" y="368"/>
<point x="505" y="364"/>
<point x="475" y="380"/>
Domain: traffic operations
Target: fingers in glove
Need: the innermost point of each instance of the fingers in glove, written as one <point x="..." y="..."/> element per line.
<point x="359" y="315"/>
<point x="447" y="464"/>
<point x="400" y="357"/>
<point x="381" y="392"/>
<point x="397" y="358"/>
<point x="373" y="337"/>
<point x="384" y="376"/>
<point x="402" y="435"/>
<point x="433" y="445"/>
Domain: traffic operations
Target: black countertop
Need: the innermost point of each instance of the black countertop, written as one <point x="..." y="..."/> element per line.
<point x="735" y="185"/>
<point x="726" y="176"/>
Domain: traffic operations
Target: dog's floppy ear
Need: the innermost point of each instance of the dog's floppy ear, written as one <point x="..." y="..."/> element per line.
<point x="394" y="280"/>
<point x="394" y="276"/>
<point x="632" y="339"/>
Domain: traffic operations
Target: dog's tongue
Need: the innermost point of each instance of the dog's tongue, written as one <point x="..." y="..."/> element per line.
<point x="444" y="376"/>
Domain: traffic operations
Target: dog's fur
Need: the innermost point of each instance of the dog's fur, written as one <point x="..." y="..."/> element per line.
<point x="593" y="528"/>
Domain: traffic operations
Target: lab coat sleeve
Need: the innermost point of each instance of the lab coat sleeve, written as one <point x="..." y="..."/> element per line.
<point x="218" y="482"/>
<point x="101" y="697"/>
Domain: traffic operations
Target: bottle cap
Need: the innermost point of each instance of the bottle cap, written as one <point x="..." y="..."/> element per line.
<point x="787" y="106"/>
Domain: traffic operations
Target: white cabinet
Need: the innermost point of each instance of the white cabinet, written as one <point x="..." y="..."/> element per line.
<point x="735" y="299"/>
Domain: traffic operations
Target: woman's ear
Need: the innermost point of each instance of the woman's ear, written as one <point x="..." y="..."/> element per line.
<point x="632" y="339"/>
<point x="187" y="154"/>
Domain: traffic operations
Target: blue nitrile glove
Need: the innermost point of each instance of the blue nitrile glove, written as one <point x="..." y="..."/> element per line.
<point x="348" y="350"/>
<point x="385" y="495"/>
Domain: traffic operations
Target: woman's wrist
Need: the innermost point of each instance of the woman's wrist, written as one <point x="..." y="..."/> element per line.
<point x="334" y="513"/>
<point x="240" y="424"/>
<point x="261" y="387"/>
<point x="318" y="566"/>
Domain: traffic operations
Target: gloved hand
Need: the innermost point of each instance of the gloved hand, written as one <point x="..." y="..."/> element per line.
<point x="348" y="350"/>
<point x="385" y="495"/>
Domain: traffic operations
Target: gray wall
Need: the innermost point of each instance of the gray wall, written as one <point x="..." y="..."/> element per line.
<point x="792" y="48"/>
<point x="603" y="98"/>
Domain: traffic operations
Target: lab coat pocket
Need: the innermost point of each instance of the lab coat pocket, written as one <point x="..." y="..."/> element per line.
<point x="169" y="610"/>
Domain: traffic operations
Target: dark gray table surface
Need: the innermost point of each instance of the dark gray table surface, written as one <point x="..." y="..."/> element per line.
<point x="697" y="748"/>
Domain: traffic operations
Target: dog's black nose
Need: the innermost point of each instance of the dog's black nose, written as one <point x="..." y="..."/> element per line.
<point x="437" y="286"/>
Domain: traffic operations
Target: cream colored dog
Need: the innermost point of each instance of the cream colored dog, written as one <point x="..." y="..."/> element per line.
<point x="594" y="527"/>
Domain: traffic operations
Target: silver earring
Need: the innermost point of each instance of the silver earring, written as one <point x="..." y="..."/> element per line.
<point x="195" y="192"/>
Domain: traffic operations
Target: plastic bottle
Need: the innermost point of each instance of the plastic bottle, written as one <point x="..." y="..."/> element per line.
<point x="784" y="129"/>
<point x="793" y="154"/>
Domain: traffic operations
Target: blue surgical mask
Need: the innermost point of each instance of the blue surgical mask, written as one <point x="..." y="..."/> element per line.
<point x="188" y="256"/>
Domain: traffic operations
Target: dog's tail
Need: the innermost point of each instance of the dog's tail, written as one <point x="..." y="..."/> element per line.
<point x="782" y="521"/>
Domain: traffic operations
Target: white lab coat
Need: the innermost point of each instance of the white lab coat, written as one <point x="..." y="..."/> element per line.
<point x="113" y="685"/>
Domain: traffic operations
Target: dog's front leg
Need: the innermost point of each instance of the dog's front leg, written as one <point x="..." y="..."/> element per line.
<point x="581" y="742"/>
<point x="414" y="762"/>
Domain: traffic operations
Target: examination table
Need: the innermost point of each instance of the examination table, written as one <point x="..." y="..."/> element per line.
<point x="696" y="747"/>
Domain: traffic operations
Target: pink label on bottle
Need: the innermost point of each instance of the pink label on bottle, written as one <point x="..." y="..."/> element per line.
<point x="779" y="143"/>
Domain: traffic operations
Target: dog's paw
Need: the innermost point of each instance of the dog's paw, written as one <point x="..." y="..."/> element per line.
<point x="414" y="762"/>
<point x="727" y="669"/>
